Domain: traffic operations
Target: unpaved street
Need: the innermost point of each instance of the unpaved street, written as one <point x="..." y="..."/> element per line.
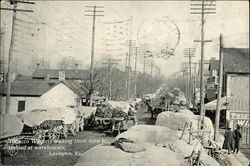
<point x="70" y="149"/>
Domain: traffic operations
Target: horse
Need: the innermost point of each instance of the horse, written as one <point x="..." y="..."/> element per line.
<point x="154" y="110"/>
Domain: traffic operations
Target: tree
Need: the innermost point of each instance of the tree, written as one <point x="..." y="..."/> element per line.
<point x="97" y="83"/>
<point x="67" y="63"/>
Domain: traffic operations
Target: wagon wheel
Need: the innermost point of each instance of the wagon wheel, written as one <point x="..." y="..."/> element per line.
<point x="54" y="135"/>
<point x="65" y="131"/>
<point x="119" y="127"/>
<point x="73" y="129"/>
<point x="77" y="126"/>
<point x="113" y="128"/>
<point x="40" y="137"/>
<point x="82" y="125"/>
<point x="12" y="148"/>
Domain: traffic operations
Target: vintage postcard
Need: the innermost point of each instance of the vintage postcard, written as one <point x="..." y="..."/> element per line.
<point x="124" y="83"/>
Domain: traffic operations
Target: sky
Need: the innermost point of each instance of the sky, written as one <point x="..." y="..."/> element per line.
<point x="59" y="29"/>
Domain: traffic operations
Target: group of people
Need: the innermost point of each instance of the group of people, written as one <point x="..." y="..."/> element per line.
<point x="232" y="140"/>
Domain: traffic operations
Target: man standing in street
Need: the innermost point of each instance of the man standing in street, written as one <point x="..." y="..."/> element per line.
<point x="238" y="138"/>
<point x="229" y="140"/>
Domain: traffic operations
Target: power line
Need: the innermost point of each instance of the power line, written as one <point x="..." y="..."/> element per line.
<point x="58" y="31"/>
<point x="67" y="16"/>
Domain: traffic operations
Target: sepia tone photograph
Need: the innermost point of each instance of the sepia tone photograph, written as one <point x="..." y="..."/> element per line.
<point x="124" y="83"/>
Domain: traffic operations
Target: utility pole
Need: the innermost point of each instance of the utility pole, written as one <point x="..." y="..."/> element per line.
<point x="205" y="9"/>
<point x="9" y="71"/>
<point x="2" y="65"/>
<point x="151" y="67"/>
<point x="144" y="61"/>
<point x="136" y="70"/>
<point x="126" y="61"/>
<point x="189" y="52"/>
<point x="130" y="44"/>
<point x="2" y="55"/>
<point x="156" y="72"/>
<point x="194" y="86"/>
<point x="219" y="90"/>
<point x="185" y="80"/>
<point x="128" y="79"/>
<point x="110" y="62"/>
<point x="93" y="13"/>
<point x="145" y="55"/>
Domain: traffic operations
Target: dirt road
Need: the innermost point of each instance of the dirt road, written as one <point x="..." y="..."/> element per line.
<point x="67" y="151"/>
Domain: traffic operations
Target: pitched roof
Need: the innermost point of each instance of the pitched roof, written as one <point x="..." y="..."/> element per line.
<point x="75" y="87"/>
<point x="236" y="59"/>
<point x="36" y="87"/>
<point x="29" y="87"/>
<point x="54" y="73"/>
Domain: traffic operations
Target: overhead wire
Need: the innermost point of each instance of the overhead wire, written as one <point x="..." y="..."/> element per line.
<point x="69" y="18"/>
<point x="56" y="30"/>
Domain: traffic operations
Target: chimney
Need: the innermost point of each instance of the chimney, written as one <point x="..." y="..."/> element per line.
<point x="76" y="66"/>
<point x="38" y="65"/>
<point x="13" y="77"/>
<point x="61" y="75"/>
<point x="47" y="77"/>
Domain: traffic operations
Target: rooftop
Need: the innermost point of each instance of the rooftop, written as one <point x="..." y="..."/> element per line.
<point x="236" y="59"/>
<point x="37" y="87"/>
<point x="54" y="73"/>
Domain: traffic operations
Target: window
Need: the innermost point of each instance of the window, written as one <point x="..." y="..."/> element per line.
<point x="21" y="106"/>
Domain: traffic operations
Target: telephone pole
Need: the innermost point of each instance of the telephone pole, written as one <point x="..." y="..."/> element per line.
<point x="202" y="8"/>
<point x="128" y="59"/>
<point x="194" y="85"/>
<point x="93" y="13"/>
<point x="136" y="49"/>
<point x="9" y="71"/>
<point x="128" y="79"/>
<point x="189" y="52"/>
<point x="144" y="60"/>
<point x="110" y="62"/>
<point x="151" y="67"/>
<point x="219" y="90"/>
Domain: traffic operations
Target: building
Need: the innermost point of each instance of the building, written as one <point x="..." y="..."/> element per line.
<point x="37" y="94"/>
<point x="235" y="60"/>
<point x="235" y="88"/>
<point x="59" y="74"/>
<point x="212" y="80"/>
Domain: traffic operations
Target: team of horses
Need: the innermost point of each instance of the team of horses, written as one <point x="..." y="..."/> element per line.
<point x="154" y="110"/>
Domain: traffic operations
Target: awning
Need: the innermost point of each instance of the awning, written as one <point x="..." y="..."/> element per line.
<point x="212" y="104"/>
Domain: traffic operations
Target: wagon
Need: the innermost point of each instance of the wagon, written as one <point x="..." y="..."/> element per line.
<point x="68" y="116"/>
<point x="122" y="124"/>
<point x="115" y="124"/>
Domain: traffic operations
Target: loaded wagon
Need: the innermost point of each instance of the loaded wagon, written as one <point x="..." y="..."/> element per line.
<point x="36" y="127"/>
<point x="33" y="127"/>
<point x="68" y="116"/>
<point x="43" y="124"/>
<point x="115" y="124"/>
<point x="114" y="116"/>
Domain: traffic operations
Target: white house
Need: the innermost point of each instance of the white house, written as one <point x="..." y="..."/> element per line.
<point x="41" y="94"/>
